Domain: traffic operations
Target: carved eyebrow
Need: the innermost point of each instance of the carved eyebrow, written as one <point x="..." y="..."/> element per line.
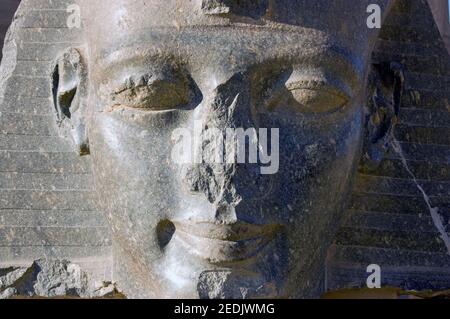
<point x="332" y="85"/>
<point x="346" y="64"/>
<point x="334" y="56"/>
<point x="128" y="54"/>
<point x="328" y="55"/>
<point x="334" y="60"/>
<point x="131" y="82"/>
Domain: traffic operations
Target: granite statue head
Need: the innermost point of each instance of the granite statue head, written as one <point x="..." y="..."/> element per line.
<point x="212" y="229"/>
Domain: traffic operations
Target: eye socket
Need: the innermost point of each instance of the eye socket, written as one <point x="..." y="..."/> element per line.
<point x="303" y="90"/>
<point x="157" y="96"/>
<point x="310" y="99"/>
<point x="316" y="100"/>
<point x="161" y="92"/>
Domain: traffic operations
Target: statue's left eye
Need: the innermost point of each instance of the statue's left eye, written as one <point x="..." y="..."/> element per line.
<point x="302" y="98"/>
<point x="303" y="90"/>
<point x="315" y="100"/>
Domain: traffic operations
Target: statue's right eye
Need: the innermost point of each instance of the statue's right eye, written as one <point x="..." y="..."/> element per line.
<point x="154" y="93"/>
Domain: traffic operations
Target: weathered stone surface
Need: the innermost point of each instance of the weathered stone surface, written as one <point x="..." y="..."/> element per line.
<point x="52" y="279"/>
<point x="6" y="16"/>
<point x="38" y="170"/>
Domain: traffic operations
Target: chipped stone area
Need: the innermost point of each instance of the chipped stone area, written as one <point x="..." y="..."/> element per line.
<point x="226" y="285"/>
<point x="52" y="279"/>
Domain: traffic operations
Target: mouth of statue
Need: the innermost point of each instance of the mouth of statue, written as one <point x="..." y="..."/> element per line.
<point x="224" y="243"/>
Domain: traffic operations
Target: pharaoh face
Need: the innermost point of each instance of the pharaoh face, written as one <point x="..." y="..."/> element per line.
<point x="211" y="228"/>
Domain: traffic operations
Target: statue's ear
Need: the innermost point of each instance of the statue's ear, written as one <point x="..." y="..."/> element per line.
<point x="386" y="83"/>
<point x="69" y="81"/>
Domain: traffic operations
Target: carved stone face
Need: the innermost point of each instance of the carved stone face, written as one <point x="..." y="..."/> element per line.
<point x="210" y="229"/>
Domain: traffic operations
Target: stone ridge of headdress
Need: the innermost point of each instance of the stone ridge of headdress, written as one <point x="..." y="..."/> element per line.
<point x="248" y="8"/>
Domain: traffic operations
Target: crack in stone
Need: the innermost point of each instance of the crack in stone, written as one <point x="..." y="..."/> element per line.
<point x="434" y="211"/>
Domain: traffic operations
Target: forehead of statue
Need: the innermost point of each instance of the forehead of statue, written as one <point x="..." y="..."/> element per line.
<point x="344" y="17"/>
<point x="269" y="27"/>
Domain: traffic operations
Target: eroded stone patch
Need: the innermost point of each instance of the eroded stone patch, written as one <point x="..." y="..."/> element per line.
<point x="52" y="279"/>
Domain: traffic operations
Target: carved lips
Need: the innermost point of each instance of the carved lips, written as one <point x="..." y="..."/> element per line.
<point x="222" y="243"/>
